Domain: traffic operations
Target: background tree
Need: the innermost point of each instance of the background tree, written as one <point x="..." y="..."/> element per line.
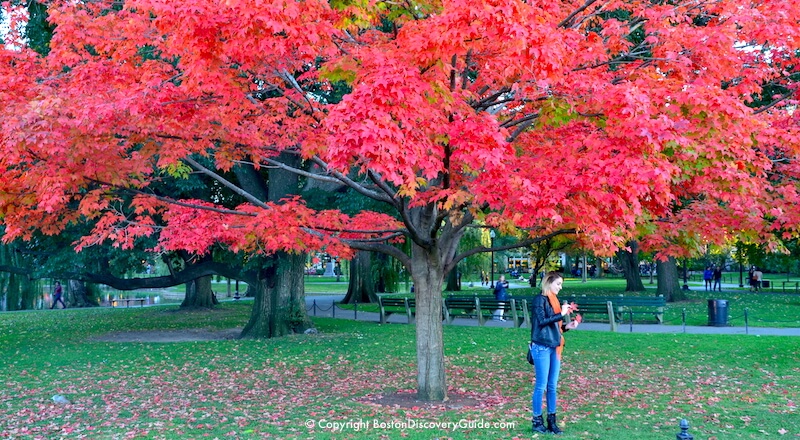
<point x="541" y="252"/>
<point x="669" y="280"/>
<point x="629" y="263"/>
<point x="361" y="286"/>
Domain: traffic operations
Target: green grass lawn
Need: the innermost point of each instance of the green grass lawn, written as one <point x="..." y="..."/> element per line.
<point x="613" y="385"/>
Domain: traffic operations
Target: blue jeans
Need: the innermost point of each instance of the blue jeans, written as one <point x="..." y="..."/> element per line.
<point x="547" y="367"/>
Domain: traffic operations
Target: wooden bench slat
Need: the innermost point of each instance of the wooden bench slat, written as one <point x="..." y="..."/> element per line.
<point x="481" y="307"/>
<point x="405" y="302"/>
<point x="127" y="301"/>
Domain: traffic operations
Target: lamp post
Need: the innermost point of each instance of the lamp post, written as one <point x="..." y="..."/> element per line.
<point x="741" y="274"/>
<point x="491" y="270"/>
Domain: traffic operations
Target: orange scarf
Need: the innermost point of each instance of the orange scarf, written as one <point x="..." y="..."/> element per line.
<point x="553" y="299"/>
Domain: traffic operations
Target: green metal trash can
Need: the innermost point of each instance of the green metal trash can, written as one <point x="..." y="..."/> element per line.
<point x="718" y="312"/>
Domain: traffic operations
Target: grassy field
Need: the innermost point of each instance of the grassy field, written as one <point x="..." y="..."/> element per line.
<point x="620" y="386"/>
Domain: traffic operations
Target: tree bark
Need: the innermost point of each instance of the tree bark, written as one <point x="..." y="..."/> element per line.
<point x="77" y="294"/>
<point x="17" y="290"/>
<point x="668" y="280"/>
<point x="361" y="287"/>
<point x="599" y="263"/>
<point x="383" y="262"/>
<point x="428" y="275"/>
<point x="630" y="267"/>
<point x="279" y="307"/>
<point x="453" y="284"/>
<point x="199" y="294"/>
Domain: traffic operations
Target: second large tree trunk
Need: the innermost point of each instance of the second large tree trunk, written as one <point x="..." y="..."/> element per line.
<point x="77" y="294"/>
<point x="453" y="282"/>
<point x="669" y="280"/>
<point x="361" y="287"/>
<point x="630" y="267"/>
<point x="279" y="307"/>
<point x="199" y="294"/>
<point x="428" y="279"/>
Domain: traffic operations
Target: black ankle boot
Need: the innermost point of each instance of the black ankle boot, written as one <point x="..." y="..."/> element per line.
<point x="538" y="424"/>
<point x="552" y="426"/>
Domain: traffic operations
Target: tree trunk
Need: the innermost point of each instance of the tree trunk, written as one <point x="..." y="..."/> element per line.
<point x="599" y="263"/>
<point x="384" y="266"/>
<point x="428" y="275"/>
<point x="361" y="287"/>
<point x="630" y="267"/>
<point x="77" y="294"/>
<point x="279" y="307"/>
<point x="12" y="293"/>
<point x="199" y="294"/>
<point x="453" y="284"/>
<point x="10" y="283"/>
<point x="669" y="280"/>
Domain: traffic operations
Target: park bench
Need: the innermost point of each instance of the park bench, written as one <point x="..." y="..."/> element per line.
<point x="648" y="305"/>
<point x="482" y="307"/>
<point x="513" y="310"/>
<point x="393" y="304"/>
<point x="127" y="301"/>
<point x="459" y="306"/>
<point x="596" y="308"/>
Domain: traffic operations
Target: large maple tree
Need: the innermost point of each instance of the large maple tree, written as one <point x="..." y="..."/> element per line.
<point x="608" y="120"/>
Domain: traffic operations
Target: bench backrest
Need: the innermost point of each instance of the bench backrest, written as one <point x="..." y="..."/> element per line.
<point x="460" y="302"/>
<point x="396" y="301"/>
<point x="638" y="301"/>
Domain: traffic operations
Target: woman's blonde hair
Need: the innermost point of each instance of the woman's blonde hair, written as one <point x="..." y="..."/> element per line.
<point x="548" y="281"/>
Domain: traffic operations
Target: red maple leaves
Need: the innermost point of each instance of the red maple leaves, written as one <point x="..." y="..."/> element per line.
<point x="547" y="114"/>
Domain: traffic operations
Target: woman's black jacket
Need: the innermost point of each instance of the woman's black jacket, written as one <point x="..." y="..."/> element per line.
<point x="545" y="323"/>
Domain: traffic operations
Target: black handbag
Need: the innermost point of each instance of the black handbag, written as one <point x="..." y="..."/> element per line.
<point x="529" y="356"/>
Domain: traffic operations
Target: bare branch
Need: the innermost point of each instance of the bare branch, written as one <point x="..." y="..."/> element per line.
<point x="512" y="122"/>
<point x="250" y="198"/>
<point x="453" y="73"/>
<point x="464" y="76"/>
<point x="516" y="245"/>
<point x="522" y="127"/>
<point x="775" y="102"/>
<point x="399" y="255"/>
<point x="361" y="189"/>
<point x="566" y="22"/>
<point x="172" y="201"/>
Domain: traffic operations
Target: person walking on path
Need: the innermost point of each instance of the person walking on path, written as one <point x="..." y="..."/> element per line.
<point x="500" y="294"/>
<point x="57" y="293"/>
<point x="759" y="277"/>
<point x="717" y="279"/>
<point x="547" y="344"/>
<point x="707" y="277"/>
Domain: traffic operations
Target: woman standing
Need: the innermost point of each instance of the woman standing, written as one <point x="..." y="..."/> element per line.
<point x="547" y="343"/>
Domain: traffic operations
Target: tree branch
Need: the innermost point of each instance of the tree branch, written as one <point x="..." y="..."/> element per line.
<point x="399" y="255"/>
<point x="519" y="244"/>
<point x="565" y="22"/>
<point x="235" y="188"/>
<point x="361" y="189"/>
